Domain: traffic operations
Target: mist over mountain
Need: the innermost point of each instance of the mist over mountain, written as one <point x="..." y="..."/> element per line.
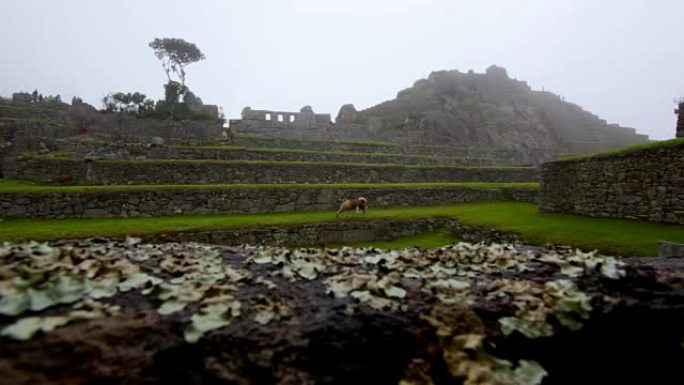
<point x="491" y="109"/>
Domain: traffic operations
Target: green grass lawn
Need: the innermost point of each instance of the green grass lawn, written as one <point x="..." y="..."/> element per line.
<point x="24" y="186"/>
<point x="612" y="236"/>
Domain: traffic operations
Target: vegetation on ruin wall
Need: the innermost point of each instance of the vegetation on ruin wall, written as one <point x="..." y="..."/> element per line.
<point x="29" y="156"/>
<point x="12" y="186"/>
<point x="645" y="147"/>
<point x="610" y="236"/>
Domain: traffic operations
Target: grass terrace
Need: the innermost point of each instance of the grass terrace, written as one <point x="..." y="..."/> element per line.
<point x="28" y="156"/>
<point x="314" y="152"/>
<point x="679" y="142"/>
<point x="24" y="186"/>
<point x="314" y="140"/>
<point x="362" y="142"/>
<point x="610" y="236"/>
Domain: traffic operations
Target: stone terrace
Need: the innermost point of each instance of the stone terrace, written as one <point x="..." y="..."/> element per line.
<point x="163" y="170"/>
<point x="147" y="201"/>
<point x="114" y="172"/>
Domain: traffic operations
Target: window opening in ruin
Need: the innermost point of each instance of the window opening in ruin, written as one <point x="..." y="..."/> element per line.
<point x="280" y="117"/>
<point x="292" y="118"/>
<point x="268" y="116"/>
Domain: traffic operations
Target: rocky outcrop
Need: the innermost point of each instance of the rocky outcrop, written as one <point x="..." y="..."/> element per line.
<point x="491" y="109"/>
<point x="347" y="115"/>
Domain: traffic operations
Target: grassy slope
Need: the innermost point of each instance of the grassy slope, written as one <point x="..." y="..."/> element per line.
<point x="21" y="186"/>
<point x="616" y="236"/>
<point x="608" y="235"/>
<point x="679" y="142"/>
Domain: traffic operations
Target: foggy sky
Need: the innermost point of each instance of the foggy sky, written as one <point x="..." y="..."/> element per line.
<point x="622" y="60"/>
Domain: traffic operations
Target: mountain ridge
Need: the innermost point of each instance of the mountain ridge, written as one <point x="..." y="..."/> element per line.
<point x="450" y="107"/>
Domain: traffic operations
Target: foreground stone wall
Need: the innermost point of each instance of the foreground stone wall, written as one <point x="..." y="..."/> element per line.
<point x="128" y="150"/>
<point x="311" y="234"/>
<point x="50" y="170"/>
<point x="338" y="232"/>
<point x="645" y="185"/>
<point x="167" y="201"/>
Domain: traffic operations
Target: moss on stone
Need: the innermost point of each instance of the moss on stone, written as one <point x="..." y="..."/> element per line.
<point x="652" y="146"/>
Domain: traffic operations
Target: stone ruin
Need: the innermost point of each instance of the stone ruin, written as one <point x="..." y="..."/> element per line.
<point x="347" y="114"/>
<point x="303" y="119"/>
<point x="680" y="119"/>
<point x="281" y="123"/>
<point x="303" y="124"/>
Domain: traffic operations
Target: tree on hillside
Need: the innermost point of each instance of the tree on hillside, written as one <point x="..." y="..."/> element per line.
<point x="132" y="103"/>
<point x="175" y="55"/>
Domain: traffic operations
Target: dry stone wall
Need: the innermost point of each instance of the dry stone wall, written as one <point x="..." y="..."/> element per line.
<point x="49" y="170"/>
<point x="214" y="200"/>
<point x="339" y="232"/>
<point x="137" y="151"/>
<point x="366" y="147"/>
<point x="312" y="234"/>
<point x="647" y="184"/>
<point x="35" y="123"/>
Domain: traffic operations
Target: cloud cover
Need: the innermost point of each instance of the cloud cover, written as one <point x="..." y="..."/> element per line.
<point x="619" y="59"/>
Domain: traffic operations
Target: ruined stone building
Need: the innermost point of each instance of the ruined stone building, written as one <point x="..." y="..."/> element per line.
<point x="680" y="119"/>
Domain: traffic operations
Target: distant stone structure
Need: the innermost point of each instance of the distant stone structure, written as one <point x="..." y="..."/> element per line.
<point x="304" y="123"/>
<point x="680" y="119"/>
<point x="21" y="97"/>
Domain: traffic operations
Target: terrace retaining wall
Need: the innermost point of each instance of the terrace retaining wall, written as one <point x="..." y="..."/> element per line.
<point x="215" y="200"/>
<point x="129" y="150"/>
<point x="646" y="184"/>
<point x="338" y="232"/>
<point x="350" y="146"/>
<point x="310" y="234"/>
<point x="49" y="170"/>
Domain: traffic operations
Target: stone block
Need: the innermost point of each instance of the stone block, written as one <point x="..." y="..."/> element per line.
<point x="670" y="249"/>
